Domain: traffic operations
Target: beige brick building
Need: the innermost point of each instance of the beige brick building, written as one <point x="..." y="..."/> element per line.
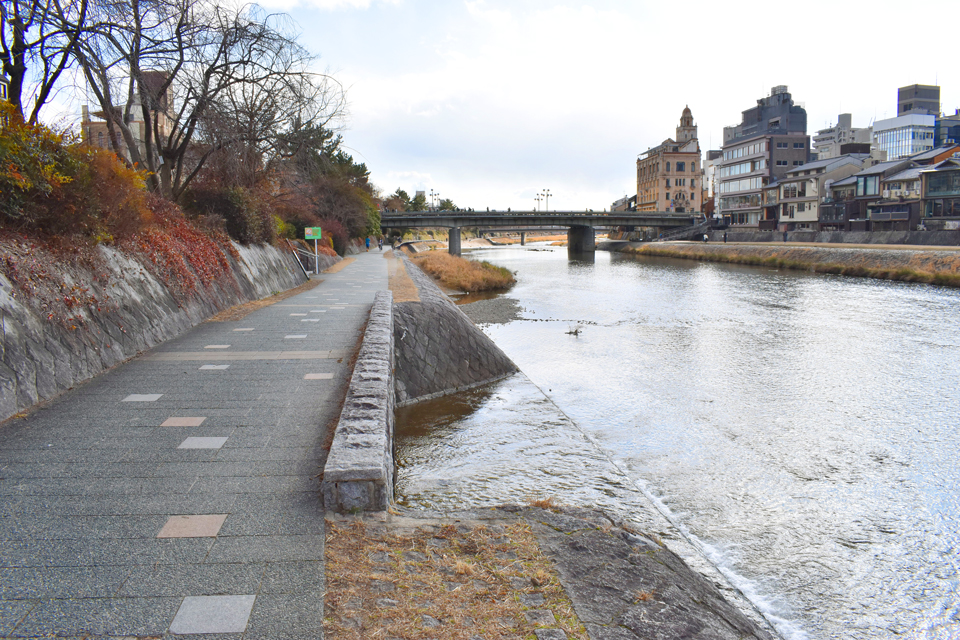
<point x="668" y="175"/>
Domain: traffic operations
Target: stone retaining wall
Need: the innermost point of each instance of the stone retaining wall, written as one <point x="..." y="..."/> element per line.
<point x="438" y="349"/>
<point x="41" y="358"/>
<point x="359" y="472"/>
<point x="917" y="238"/>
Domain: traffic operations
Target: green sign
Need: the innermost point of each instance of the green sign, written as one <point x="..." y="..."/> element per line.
<point x="313" y="233"/>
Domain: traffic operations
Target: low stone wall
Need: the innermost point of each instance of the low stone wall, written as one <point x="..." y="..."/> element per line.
<point x="41" y="358"/>
<point x="949" y="238"/>
<point x="438" y="349"/>
<point x="359" y="472"/>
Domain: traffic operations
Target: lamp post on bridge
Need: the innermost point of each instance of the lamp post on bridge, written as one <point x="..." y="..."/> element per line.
<point x="433" y="194"/>
<point x="538" y="199"/>
<point x="546" y="197"/>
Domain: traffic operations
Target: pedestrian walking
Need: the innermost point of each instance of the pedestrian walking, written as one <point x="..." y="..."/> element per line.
<point x="380" y="243"/>
<point x="724" y="237"/>
<point x="368" y="243"/>
<point x="705" y="237"/>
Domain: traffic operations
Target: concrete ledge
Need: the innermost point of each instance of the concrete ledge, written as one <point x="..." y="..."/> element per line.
<point x="359" y="472"/>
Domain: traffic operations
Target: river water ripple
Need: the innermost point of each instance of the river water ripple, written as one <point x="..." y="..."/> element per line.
<point x="800" y="431"/>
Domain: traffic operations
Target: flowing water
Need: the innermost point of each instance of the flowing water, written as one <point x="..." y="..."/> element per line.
<point x="798" y="432"/>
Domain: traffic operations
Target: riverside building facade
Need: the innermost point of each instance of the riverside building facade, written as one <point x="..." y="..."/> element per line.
<point x="769" y="141"/>
<point x="668" y="175"/>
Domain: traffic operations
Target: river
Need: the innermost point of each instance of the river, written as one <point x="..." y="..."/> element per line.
<point x="798" y="432"/>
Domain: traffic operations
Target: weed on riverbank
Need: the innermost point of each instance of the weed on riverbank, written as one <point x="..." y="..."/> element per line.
<point x="804" y="259"/>
<point x="435" y="580"/>
<point x="462" y="274"/>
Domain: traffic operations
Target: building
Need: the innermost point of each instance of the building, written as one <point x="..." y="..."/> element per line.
<point x="626" y="203"/>
<point x="96" y="132"/>
<point x="899" y="206"/>
<point x="947" y="130"/>
<point x="918" y="98"/>
<point x="914" y="128"/>
<point x="802" y="189"/>
<point x="770" y="139"/>
<point x="905" y="135"/>
<point x="4" y="96"/>
<point x="827" y="143"/>
<point x="668" y="175"/>
<point x="940" y="191"/>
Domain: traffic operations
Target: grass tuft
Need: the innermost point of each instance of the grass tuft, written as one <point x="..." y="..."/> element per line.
<point x="462" y="274"/>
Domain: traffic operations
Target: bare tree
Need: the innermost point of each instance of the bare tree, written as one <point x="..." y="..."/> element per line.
<point x="36" y="40"/>
<point x="184" y="79"/>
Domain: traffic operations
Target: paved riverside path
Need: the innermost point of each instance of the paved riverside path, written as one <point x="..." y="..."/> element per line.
<point x="177" y="494"/>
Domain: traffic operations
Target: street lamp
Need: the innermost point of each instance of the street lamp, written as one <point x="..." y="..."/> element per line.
<point x="538" y="199"/>
<point x="546" y="197"/>
<point x="431" y="199"/>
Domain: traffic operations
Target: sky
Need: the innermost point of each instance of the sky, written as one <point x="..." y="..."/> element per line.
<point x="489" y="102"/>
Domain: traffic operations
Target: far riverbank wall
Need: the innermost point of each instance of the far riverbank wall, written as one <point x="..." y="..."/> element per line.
<point x="908" y="265"/>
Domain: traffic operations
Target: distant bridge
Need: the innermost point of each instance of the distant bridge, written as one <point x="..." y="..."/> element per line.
<point x="580" y="224"/>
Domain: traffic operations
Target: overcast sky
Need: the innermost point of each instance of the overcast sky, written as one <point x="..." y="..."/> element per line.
<point x="490" y="101"/>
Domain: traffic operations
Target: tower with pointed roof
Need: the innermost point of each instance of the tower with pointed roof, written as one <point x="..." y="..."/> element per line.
<point x="668" y="175"/>
<point x="687" y="130"/>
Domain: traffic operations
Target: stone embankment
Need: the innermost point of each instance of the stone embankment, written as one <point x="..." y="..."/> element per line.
<point x="438" y="349"/>
<point x="134" y="311"/>
<point x="906" y="264"/>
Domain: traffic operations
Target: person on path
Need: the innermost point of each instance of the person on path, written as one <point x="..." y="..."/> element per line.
<point x="724" y="237"/>
<point x="380" y="243"/>
<point x="368" y="243"/>
<point x="705" y="237"/>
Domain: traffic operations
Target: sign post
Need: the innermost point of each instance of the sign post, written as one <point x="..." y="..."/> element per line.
<point x="314" y="233"/>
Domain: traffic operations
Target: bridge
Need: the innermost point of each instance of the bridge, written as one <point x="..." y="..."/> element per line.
<point x="580" y="224"/>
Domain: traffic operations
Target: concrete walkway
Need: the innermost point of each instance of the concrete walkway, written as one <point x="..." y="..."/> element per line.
<point x="177" y="494"/>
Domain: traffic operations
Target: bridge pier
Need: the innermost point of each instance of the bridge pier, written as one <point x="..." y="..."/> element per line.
<point x="523" y="238"/>
<point x="453" y="241"/>
<point x="581" y="239"/>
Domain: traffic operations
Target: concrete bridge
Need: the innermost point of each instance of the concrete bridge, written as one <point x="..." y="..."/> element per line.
<point x="580" y="224"/>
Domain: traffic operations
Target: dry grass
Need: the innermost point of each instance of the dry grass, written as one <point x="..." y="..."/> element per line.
<point x="398" y="280"/>
<point x="549" y="503"/>
<point x="516" y="240"/>
<point x="382" y="581"/>
<point x="921" y="267"/>
<point x="464" y="275"/>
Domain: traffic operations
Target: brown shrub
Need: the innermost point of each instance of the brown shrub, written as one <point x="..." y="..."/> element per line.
<point x="464" y="275"/>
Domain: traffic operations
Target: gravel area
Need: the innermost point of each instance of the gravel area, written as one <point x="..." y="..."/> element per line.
<point x="498" y="310"/>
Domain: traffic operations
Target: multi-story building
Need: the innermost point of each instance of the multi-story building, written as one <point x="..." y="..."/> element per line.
<point x="914" y="129"/>
<point x="940" y="188"/>
<point x="918" y="98"/>
<point x="947" y="130"/>
<point x="827" y="142"/>
<point x="771" y="138"/>
<point x="668" y="175"/>
<point x="803" y="189"/>
<point x="96" y="132"/>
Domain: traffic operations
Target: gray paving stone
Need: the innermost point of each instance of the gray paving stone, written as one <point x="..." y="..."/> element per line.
<point x="99" y="616"/>
<point x="266" y="548"/>
<point x="12" y="613"/>
<point x="55" y="582"/>
<point x="213" y="614"/>
<point x="196" y="579"/>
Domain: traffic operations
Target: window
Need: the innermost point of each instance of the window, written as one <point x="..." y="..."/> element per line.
<point x="693" y="167"/>
<point x="693" y="196"/>
<point x="782" y="163"/>
<point x="668" y="196"/>
<point x="692" y="183"/>
<point x="668" y="167"/>
<point x="681" y="166"/>
<point x="800" y="207"/>
<point x="797" y="163"/>
<point x="783" y="145"/>
<point x="798" y="145"/>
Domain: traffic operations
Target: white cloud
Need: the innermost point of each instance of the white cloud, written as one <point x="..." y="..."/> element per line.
<point x="489" y="101"/>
